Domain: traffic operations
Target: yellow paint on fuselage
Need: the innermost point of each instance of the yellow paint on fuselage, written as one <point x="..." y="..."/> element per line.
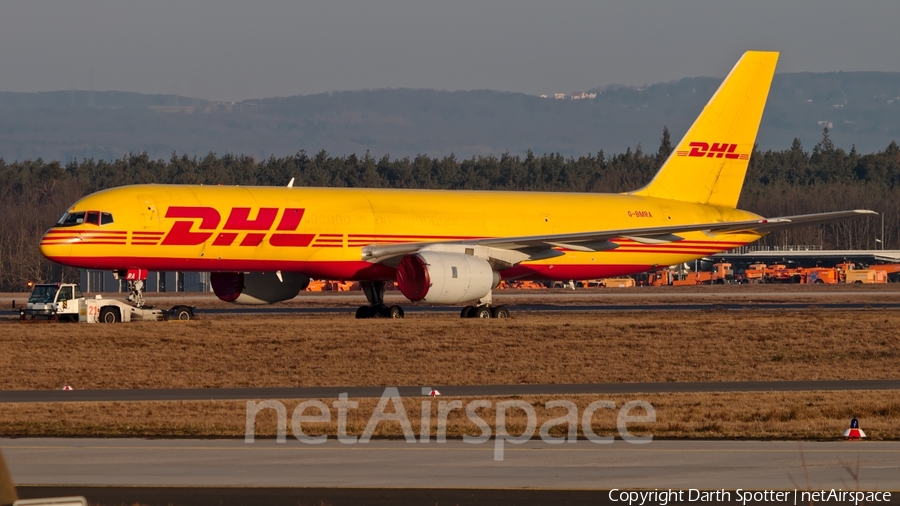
<point x="364" y="216"/>
<point x="698" y="184"/>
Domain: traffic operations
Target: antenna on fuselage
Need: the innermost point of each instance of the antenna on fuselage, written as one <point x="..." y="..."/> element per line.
<point x="291" y="183"/>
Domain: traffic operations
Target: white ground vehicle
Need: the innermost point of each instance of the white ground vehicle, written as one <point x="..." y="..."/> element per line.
<point x="65" y="302"/>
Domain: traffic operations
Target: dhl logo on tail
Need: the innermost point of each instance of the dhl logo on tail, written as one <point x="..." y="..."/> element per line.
<point x="716" y="150"/>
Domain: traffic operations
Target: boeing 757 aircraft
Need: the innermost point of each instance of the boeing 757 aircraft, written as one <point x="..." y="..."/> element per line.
<point x="263" y="244"/>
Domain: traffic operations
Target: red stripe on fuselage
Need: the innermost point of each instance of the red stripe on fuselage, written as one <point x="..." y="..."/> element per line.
<point x="378" y="237"/>
<point x="355" y="270"/>
<point x="83" y="231"/>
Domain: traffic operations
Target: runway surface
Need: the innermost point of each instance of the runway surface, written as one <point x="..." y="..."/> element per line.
<point x="551" y="308"/>
<point x="308" y="496"/>
<point x="199" y="394"/>
<point x="571" y="308"/>
<point x="454" y="464"/>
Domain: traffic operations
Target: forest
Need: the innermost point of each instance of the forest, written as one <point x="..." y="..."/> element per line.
<point x="35" y="193"/>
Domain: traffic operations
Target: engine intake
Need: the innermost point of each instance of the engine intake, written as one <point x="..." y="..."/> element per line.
<point x="445" y="278"/>
<point x="257" y="287"/>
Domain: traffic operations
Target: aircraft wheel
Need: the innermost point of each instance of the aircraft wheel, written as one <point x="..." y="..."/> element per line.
<point x="499" y="312"/>
<point x="482" y="312"/>
<point x="363" y="312"/>
<point x="395" y="312"/>
<point x="467" y="312"/>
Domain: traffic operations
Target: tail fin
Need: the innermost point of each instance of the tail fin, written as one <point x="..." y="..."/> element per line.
<point x="709" y="164"/>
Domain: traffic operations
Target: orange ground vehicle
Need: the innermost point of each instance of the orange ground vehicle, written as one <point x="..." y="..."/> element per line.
<point x="528" y="285"/>
<point x="755" y="273"/>
<point x="694" y="278"/>
<point x="722" y="273"/>
<point x="842" y="273"/>
<point x="892" y="271"/>
<point x="329" y="286"/>
<point x="866" y="276"/>
<point x="662" y="277"/>
<point x="821" y="275"/>
<point x="617" y="283"/>
<point x="315" y="286"/>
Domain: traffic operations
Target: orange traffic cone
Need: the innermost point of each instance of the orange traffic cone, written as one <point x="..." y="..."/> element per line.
<point x="854" y="433"/>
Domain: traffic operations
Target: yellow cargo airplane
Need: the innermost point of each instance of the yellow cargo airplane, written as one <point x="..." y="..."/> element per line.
<point x="263" y="244"/>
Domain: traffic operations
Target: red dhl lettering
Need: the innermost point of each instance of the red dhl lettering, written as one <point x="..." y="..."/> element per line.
<point x="714" y="150"/>
<point x="207" y="221"/>
<point x="181" y="234"/>
<point x="239" y="219"/>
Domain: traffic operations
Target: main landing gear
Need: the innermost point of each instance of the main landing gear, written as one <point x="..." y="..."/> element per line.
<point x="374" y="291"/>
<point x="484" y="309"/>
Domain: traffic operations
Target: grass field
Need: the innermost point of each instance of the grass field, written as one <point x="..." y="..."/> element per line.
<point x="793" y="415"/>
<point x="320" y="350"/>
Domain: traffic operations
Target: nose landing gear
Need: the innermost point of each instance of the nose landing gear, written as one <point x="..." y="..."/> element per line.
<point x="137" y="293"/>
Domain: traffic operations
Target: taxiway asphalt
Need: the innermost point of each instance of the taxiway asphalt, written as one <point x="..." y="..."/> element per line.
<point x="455" y="464"/>
<point x="542" y="308"/>
<point x="202" y="394"/>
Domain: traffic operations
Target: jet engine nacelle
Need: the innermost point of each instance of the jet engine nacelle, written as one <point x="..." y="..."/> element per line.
<point x="445" y="278"/>
<point x="257" y="287"/>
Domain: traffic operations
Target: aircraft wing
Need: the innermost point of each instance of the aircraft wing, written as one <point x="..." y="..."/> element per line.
<point x="538" y="247"/>
<point x="802" y="220"/>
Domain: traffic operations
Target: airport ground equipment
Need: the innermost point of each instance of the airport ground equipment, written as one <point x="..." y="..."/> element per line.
<point x="64" y="302"/>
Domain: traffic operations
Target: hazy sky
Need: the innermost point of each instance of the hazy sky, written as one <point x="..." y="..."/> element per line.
<point x="235" y="50"/>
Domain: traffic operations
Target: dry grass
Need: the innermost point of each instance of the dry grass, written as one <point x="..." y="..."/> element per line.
<point x="319" y="350"/>
<point x="794" y="415"/>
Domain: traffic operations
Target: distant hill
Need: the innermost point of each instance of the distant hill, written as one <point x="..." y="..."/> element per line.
<point x="861" y="108"/>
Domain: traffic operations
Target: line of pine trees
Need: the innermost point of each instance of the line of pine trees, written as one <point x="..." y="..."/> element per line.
<point x="35" y="193"/>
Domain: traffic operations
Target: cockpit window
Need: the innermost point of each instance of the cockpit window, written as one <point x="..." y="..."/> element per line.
<point x="90" y="217"/>
<point x="70" y="220"/>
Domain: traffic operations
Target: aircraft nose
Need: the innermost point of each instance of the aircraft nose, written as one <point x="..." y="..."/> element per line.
<point x="56" y="247"/>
